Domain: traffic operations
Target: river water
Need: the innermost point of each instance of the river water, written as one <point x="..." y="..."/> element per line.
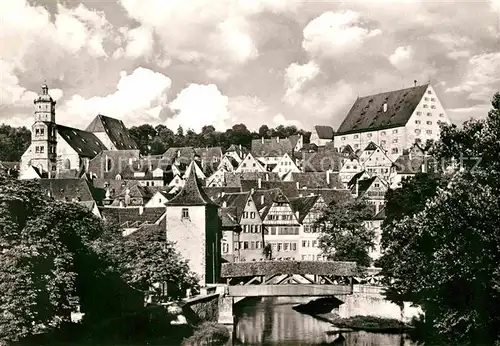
<point x="272" y="321"/>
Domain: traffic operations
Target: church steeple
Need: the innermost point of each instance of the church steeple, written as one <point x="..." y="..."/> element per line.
<point x="43" y="133"/>
<point x="45" y="106"/>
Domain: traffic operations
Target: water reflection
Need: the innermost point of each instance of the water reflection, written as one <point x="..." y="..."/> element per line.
<point x="272" y="321"/>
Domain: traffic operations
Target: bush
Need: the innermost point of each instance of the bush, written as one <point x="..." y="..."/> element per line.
<point x="208" y="334"/>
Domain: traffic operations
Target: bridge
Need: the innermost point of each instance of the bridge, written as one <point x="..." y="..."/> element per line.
<point x="288" y="278"/>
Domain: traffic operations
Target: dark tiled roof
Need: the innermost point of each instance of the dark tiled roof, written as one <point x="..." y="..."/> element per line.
<point x="271" y="147"/>
<point x="150" y="232"/>
<point x="68" y="189"/>
<point x="313" y="180"/>
<point x="355" y="178"/>
<point x="116" y="131"/>
<point x="364" y="185"/>
<point x="234" y="200"/>
<point x="228" y="217"/>
<point x="322" y="161"/>
<point x="303" y="205"/>
<point x="289" y="188"/>
<point x="367" y="112"/>
<point x="69" y="173"/>
<point x="132" y="216"/>
<point x="192" y="193"/>
<point x="294" y="139"/>
<point x="183" y="153"/>
<point x="263" y="198"/>
<point x="334" y="195"/>
<point x="324" y="132"/>
<point x="380" y="215"/>
<point x="9" y="165"/>
<point x="233" y="179"/>
<point x="85" y="143"/>
<point x="406" y="165"/>
<point x="209" y="154"/>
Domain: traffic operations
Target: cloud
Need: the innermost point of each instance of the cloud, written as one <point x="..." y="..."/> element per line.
<point x="296" y="76"/>
<point x="140" y="42"/>
<point x="459" y="115"/>
<point x="402" y="58"/>
<point x="198" y="105"/>
<point x="482" y="78"/>
<point x="335" y="33"/>
<point x="279" y="119"/>
<point x="139" y="98"/>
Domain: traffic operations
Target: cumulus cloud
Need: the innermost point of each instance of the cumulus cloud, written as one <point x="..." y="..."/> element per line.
<point x="279" y="119"/>
<point x="334" y="33"/>
<point x="139" y="98"/>
<point x="482" y="78"/>
<point x="140" y="42"/>
<point x="198" y="105"/>
<point x="402" y="58"/>
<point x="296" y="76"/>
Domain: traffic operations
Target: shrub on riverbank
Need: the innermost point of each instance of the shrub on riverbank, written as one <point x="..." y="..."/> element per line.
<point x="371" y="324"/>
<point x="208" y="334"/>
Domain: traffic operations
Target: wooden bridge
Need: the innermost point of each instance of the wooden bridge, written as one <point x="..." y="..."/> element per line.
<point x="289" y="278"/>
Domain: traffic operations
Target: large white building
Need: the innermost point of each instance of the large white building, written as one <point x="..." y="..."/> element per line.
<point x="393" y="120"/>
<point x="57" y="148"/>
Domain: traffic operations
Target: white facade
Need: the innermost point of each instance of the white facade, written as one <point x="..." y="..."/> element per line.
<point x="286" y="165"/>
<point x="250" y="164"/>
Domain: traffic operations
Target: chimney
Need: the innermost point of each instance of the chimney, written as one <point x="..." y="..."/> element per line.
<point x="328" y="177"/>
<point x="262" y="199"/>
<point x="130" y="160"/>
<point x="278" y="139"/>
<point x="224" y="204"/>
<point x="240" y="147"/>
<point x="297" y="184"/>
<point x="267" y="177"/>
<point x="141" y="210"/>
<point x="262" y="140"/>
<point x="178" y="153"/>
<point x="252" y="191"/>
<point x="259" y="183"/>
<point x="424" y="166"/>
<point x="415" y="82"/>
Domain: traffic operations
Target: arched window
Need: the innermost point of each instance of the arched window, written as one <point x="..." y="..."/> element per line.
<point x="67" y="164"/>
<point x="118" y="177"/>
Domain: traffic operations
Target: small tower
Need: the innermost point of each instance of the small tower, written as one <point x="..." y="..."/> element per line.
<point x="44" y="132"/>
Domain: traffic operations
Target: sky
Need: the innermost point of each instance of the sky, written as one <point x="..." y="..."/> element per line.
<point x="224" y="62"/>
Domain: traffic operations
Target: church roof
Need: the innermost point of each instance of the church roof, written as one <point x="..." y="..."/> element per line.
<point x="85" y="143"/>
<point x="68" y="189"/>
<point x="191" y="194"/>
<point x="367" y="113"/>
<point x="116" y="131"/>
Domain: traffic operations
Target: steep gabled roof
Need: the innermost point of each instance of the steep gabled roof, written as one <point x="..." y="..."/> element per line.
<point x="380" y="215"/>
<point x="116" y="131"/>
<point x="216" y="192"/>
<point x="288" y="188"/>
<point x="324" y="132"/>
<point x="322" y="161"/>
<point x="85" y="143"/>
<point x="303" y="205"/>
<point x="228" y="218"/>
<point x="124" y="217"/>
<point x="355" y="178"/>
<point x="334" y="195"/>
<point x="236" y="200"/>
<point x="233" y="179"/>
<point x="183" y="153"/>
<point x="364" y="185"/>
<point x="192" y="193"/>
<point x="313" y="180"/>
<point x="294" y="139"/>
<point x="68" y="189"/>
<point x="263" y="198"/>
<point x="367" y="113"/>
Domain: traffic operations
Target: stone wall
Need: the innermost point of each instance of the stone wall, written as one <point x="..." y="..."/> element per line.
<point x="202" y="308"/>
<point x="369" y="301"/>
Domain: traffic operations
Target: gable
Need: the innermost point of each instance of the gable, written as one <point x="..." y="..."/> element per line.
<point x="115" y="130"/>
<point x="324" y="132"/>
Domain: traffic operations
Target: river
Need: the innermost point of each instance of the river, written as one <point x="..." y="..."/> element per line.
<point x="272" y="321"/>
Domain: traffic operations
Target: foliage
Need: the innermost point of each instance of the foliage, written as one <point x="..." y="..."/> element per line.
<point x="13" y="142"/>
<point x="155" y="141"/>
<point x="344" y="235"/>
<point x="208" y="334"/>
<point x="145" y="259"/>
<point x="443" y="252"/>
<point x="46" y="260"/>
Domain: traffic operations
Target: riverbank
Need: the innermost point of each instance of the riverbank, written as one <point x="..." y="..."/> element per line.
<point x="370" y="324"/>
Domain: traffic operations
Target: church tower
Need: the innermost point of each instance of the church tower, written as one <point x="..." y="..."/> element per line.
<point x="43" y="133"/>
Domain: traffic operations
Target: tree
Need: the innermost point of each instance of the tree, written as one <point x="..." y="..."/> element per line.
<point x="146" y="259"/>
<point x="442" y="252"/>
<point x="143" y="135"/>
<point x="344" y="235"/>
<point x="13" y="142"/>
<point x="47" y="261"/>
<point x="264" y="131"/>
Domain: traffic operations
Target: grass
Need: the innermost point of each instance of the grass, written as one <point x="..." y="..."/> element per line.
<point x="208" y="334"/>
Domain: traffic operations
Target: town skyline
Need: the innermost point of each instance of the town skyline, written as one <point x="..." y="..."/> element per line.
<point x="267" y="63"/>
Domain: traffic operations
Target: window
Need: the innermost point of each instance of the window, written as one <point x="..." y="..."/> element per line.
<point x="245" y="245"/>
<point x="395" y="140"/>
<point x="41" y="149"/>
<point x="304" y="243"/>
<point x="429" y="92"/>
<point x="433" y="106"/>
<point x="377" y="185"/>
<point x="356" y="136"/>
<point x="433" y="99"/>
<point x="382" y="133"/>
<point x="185" y="213"/>
<point x="356" y="145"/>
<point x="441" y="115"/>
<point x="343" y="138"/>
<point x="369" y="135"/>
<point x="252" y="215"/>
<point x="417" y="130"/>
<point x="419" y="113"/>
<point x="429" y="114"/>
<point x="425" y="106"/>
<point x="429" y="132"/>
<point x="426" y="99"/>
<point x="236" y="246"/>
<point x="383" y="142"/>
<point x="394" y="131"/>
<point x="42" y="132"/>
<point x="37" y="149"/>
<point x="394" y="150"/>
<point x="417" y="121"/>
<point x="293" y="246"/>
<point x="429" y="123"/>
